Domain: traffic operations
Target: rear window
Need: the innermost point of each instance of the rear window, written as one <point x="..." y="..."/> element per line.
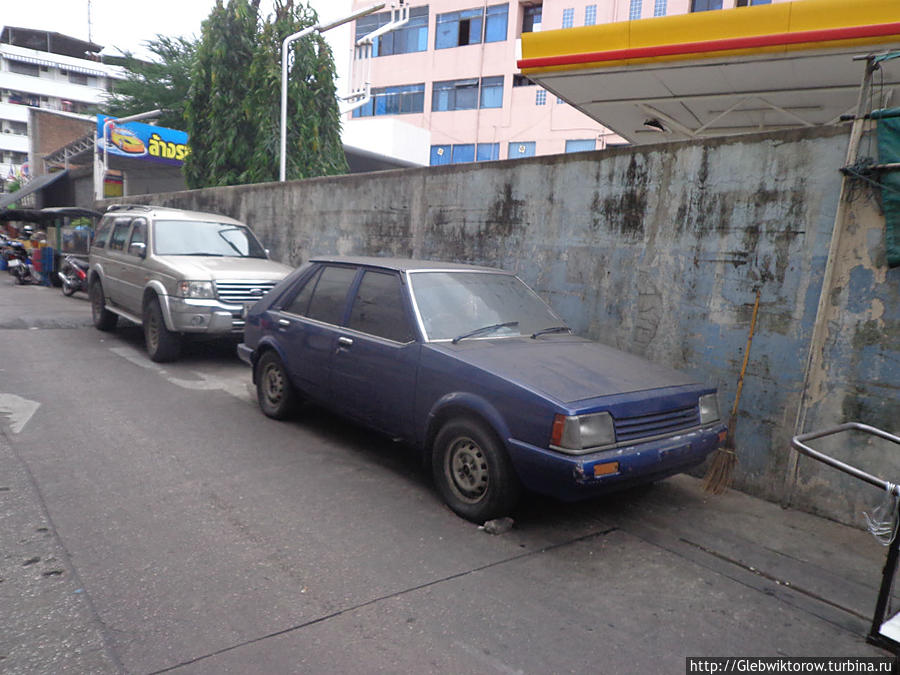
<point x="330" y="295"/>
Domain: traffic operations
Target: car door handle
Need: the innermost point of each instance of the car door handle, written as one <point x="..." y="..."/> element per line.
<point x="344" y="342"/>
<point x="284" y="323"/>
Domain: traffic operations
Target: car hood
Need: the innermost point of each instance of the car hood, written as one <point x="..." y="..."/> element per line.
<point x="201" y="268"/>
<point x="568" y="369"/>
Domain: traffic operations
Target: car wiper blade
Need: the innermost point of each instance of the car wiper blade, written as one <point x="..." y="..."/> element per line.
<point x="551" y="329"/>
<point x="485" y="329"/>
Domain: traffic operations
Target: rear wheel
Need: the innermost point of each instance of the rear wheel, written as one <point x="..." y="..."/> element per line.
<point x="103" y="319"/>
<point x="162" y="344"/>
<point x="472" y="471"/>
<point x="274" y="391"/>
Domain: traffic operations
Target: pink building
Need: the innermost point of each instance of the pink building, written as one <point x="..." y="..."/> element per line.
<point x="451" y="69"/>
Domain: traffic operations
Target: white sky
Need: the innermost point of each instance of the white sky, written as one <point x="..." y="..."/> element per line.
<point x="127" y="24"/>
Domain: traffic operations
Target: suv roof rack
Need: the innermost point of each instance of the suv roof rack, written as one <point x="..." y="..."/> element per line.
<point x="123" y="207"/>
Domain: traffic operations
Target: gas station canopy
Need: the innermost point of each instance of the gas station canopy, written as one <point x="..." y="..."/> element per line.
<point x="716" y="73"/>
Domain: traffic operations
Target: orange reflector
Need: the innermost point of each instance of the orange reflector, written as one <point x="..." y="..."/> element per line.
<point x="559" y="424"/>
<point x="722" y="436"/>
<point x="606" y="469"/>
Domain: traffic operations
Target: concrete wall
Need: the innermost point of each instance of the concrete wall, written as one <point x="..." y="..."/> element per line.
<point x="657" y="250"/>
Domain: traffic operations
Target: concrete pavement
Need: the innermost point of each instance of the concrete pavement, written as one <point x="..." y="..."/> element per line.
<point x="680" y="573"/>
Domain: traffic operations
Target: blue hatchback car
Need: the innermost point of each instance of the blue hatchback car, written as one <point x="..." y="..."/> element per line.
<point x="469" y="365"/>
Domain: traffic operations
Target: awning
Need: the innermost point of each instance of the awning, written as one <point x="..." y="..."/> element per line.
<point x="31" y="187"/>
<point x="757" y="68"/>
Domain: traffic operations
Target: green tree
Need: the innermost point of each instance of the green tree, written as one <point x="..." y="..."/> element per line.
<point x="234" y="107"/>
<point x="163" y="83"/>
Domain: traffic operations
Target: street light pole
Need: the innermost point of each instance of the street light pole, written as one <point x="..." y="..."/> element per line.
<point x="282" y="174"/>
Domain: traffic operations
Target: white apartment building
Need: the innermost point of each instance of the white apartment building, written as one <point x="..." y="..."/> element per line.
<point x="46" y="70"/>
<point x="451" y="69"/>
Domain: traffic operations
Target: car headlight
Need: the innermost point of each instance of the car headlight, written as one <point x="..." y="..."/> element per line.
<point x="196" y="289"/>
<point x="582" y="433"/>
<point x="709" y="408"/>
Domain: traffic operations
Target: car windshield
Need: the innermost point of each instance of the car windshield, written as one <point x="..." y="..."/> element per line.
<point x="191" y="237"/>
<point x="470" y="305"/>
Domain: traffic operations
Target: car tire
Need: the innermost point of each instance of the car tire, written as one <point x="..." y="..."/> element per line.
<point x="162" y="344"/>
<point x="472" y="471"/>
<point x="103" y="319"/>
<point x="274" y="391"/>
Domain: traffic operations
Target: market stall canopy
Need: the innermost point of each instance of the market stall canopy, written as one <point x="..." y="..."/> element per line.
<point x="715" y="73"/>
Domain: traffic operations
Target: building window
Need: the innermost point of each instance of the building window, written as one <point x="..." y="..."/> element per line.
<point x="559" y="99"/>
<point x="705" y="5"/>
<point x="747" y="3"/>
<point x="463" y="153"/>
<point x="487" y="152"/>
<point x="659" y="8"/>
<point x="440" y="154"/>
<point x="590" y="15"/>
<point x="540" y="97"/>
<point x="18" y="128"/>
<point x="634" y="11"/>
<point x="519" y="149"/>
<point x="531" y="18"/>
<point x="401" y="100"/>
<point x="78" y="78"/>
<point x="464" y="94"/>
<point x="568" y="18"/>
<point x="412" y="37"/>
<point x="520" y="80"/>
<point x="581" y="145"/>
<point x="21" y="68"/>
<point x="471" y="26"/>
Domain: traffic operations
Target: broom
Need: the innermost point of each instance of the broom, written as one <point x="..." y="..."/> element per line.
<point x="721" y="471"/>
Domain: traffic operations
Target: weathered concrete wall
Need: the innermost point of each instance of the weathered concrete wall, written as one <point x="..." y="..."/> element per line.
<point x="657" y="250"/>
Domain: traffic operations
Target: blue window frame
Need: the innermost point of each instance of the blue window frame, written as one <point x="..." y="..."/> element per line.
<point x="463" y="153"/>
<point x="659" y="8"/>
<point x="486" y="152"/>
<point x="519" y="149"/>
<point x="440" y="154"/>
<point x="471" y="26"/>
<point x="590" y="15"/>
<point x="413" y="37"/>
<point x="568" y="19"/>
<point x="401" y="100"/>
<point x="540" y="97"/>
<point x="705" y="5"/>
<point x="634" y="11"/>
<point x="581" y="145"/>
<point x="464" y="94"/>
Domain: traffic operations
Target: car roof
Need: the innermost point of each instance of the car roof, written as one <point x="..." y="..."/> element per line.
<point x="166" y="211"/>
<point x="404" y="264"/>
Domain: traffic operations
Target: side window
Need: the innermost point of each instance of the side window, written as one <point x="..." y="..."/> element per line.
<point x="330" y="296"/>
<point x="119" y="235"/>
<point x="102" y="233"/>
<point x="300" y="303"/>
<point x="138" y="236"/>
<point x="378" y="308"/>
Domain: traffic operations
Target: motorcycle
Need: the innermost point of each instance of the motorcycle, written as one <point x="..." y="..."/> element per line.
<point x="73" y="274"/>
<point x="19" y="263"/>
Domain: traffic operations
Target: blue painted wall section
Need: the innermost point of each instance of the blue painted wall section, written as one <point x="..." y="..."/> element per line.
<point x="657" y="250"/>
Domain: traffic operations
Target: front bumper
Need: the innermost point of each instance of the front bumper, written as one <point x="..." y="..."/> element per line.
<point x="570" y="477"/>
<point x="190" y="315"/>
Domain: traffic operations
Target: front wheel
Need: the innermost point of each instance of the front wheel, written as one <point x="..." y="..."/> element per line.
<point x="68" y="286"/>
<point x="162" y="344"/>
<point x="274" y="390"/>
<point x="472" y="471"/>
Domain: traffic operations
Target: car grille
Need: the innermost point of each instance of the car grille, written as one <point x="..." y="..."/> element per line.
<point x="239" y="292"/>
<point x="658" y="424"/>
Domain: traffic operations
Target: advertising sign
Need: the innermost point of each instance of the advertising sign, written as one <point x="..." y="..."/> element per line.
<point x="142" y="141"/>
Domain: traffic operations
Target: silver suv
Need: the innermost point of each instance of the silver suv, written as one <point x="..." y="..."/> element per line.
<point x="176" y="273"/>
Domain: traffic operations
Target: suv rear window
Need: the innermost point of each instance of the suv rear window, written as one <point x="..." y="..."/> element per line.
<point x="102" y="233"/>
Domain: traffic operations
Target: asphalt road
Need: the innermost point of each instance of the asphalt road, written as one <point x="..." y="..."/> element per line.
<point x="153" y="520"/>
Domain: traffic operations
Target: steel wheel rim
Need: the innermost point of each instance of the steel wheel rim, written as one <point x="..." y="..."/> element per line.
<point x="466" y="468"/>
<point x="273" y="384"/>
<point x="152" y="331"/>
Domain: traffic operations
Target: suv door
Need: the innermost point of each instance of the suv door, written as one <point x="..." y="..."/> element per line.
<point x="133" y="271"/>
<point x="373" y="372"/>
<point x="114" y="267"/>
<point x="307" y="327"/>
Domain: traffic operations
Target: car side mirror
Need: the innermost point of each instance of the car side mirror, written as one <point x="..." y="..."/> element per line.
<point x="139" y="249"/>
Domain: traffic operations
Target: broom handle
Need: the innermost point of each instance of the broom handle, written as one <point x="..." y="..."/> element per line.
<point x="737" y="396"/>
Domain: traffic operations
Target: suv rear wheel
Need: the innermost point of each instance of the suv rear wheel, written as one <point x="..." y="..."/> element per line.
<point x="162" y="344"/>
<point x="103" y="319"/>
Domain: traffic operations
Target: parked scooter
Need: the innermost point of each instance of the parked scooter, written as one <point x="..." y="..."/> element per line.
<point x="19" y="263"/>
<point x="73" y="274"/>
